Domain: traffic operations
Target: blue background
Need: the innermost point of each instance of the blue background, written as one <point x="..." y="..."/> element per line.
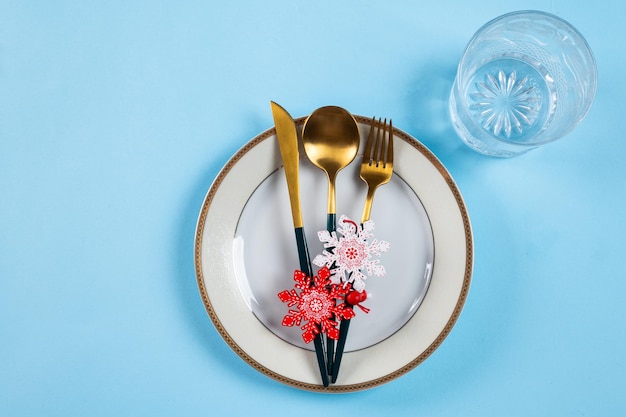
<point x="116" y="116"/>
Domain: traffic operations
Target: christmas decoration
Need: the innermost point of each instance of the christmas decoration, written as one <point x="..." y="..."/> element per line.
<point x="350" y="255"/>
<point x="316" y="299"/>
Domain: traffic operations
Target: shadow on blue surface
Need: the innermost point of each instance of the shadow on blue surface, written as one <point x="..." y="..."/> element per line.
<point x="427" y="106"/>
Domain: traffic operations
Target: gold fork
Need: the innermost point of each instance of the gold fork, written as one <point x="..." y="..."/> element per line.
<point x="376" y="170"/>
<point x="377" y="165"/>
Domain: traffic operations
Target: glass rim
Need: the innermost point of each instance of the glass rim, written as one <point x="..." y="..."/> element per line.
<point x="530" y="12"/>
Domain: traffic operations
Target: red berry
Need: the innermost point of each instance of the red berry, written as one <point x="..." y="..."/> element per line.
<point x="355" y="297"/>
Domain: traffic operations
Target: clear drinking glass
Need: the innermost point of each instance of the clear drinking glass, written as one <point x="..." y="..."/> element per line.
<point x="525" y="79"/>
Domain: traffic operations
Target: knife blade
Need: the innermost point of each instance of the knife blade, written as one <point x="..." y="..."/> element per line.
<point x="288" y="144"/>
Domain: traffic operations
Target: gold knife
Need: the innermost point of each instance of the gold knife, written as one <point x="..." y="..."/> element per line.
<point x="288" y="144"/>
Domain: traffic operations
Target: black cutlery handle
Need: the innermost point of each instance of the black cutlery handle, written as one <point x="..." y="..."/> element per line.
<point x="343" y="335"/>
<point x="305" y="266"/>
<point x="303" y="252"/>
<point x="331" y="222"/>
<point x="331" y="226"/>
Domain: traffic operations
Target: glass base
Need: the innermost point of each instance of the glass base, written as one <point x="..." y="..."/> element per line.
<point x="481" y="140"/>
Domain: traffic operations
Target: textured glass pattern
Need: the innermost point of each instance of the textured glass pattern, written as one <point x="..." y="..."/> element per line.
<point x="505" y="105"/>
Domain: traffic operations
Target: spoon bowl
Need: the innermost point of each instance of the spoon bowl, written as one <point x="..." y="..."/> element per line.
<point x="331" y="141"/>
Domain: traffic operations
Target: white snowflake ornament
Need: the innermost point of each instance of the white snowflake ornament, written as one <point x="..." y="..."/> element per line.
<point x="351" y="255"/>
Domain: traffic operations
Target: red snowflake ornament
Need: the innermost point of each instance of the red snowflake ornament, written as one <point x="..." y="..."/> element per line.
<point x="316" y="303"/>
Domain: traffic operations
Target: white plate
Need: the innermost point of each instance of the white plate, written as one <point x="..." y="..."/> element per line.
<point x="245" y="253"/>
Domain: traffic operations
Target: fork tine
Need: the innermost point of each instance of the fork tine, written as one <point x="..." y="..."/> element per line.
<point x="367" y="154"/>
<point x="380" y="138"/>
<point x="389" y="159"/>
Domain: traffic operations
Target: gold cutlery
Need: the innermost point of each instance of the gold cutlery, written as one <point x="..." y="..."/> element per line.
<point x="288" y="144"/>
<point x="331" y="141"/>
<point x="376" y="170"/>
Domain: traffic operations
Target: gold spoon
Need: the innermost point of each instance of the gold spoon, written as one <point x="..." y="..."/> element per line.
<point x="331" y="140"/>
